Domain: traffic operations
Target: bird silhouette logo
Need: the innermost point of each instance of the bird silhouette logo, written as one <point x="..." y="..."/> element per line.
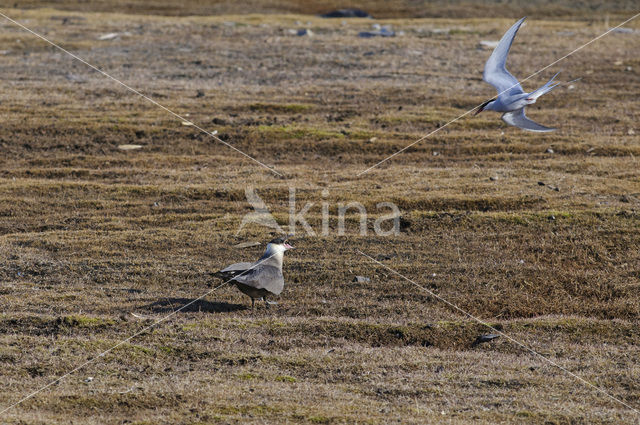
<point x="260" y="215"/>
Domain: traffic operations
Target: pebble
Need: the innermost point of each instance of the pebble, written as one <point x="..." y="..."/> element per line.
<point x="303" y="32"/>
<point x="109" y="36"/>
<point x="129" y="147"/>
<point x="488" y="44"/>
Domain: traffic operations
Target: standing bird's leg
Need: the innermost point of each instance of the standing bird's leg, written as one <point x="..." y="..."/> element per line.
<point x="266" y="303"/>
<point x="253" y="303"/>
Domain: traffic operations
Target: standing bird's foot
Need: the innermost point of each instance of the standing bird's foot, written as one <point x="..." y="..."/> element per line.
<point x="268" y="303"/>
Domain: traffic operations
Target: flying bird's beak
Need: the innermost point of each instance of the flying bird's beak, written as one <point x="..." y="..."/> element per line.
<point x="484" y="105"/>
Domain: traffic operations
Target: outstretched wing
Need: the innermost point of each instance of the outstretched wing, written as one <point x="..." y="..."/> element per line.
<point x="520" y="120"/>
<point x="495" y="71"/>
<point x="263" y="277"/>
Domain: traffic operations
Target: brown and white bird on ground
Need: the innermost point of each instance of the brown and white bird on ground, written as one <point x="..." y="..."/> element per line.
<point x="262" y="278"/>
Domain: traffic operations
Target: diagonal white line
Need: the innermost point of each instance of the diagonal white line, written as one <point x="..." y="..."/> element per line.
<point x="131" y="89"/>
<point x="477" y="106"/>
<point x="482" y="322"/>
<point x="124" y="341"/>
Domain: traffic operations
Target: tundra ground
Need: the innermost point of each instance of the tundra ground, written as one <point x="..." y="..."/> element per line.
<point x="536" y="234"/>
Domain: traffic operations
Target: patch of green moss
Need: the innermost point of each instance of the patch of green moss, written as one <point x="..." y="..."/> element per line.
<point x="85" y="321"/>
<point x="319" y="419"/>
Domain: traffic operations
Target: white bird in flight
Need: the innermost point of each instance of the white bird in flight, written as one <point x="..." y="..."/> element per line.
<point x="511" y="98"/>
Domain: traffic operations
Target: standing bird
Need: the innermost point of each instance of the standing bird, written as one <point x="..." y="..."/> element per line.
<point x="262" y="278"/>
<point x="511" y="98"/>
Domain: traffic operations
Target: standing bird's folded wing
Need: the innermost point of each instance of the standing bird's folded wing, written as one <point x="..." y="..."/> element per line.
<point x="233" y="270"/>
<point x="519" y="119"/>
<point x="263" y="277"/>
<point x="495" y="71"/>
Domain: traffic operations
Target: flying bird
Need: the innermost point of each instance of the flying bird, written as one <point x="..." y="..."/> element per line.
<point x="511" y="98"/>
<point x="262" y="278"/>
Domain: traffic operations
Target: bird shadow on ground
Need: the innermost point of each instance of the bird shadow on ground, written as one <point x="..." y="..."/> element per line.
<point x="168" y="305"/>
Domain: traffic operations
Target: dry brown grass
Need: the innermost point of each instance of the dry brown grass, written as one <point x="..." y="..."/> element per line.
<point x="90" y="234"/>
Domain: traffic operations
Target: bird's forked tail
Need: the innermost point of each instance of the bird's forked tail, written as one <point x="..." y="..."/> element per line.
<point x="534" y="95"/>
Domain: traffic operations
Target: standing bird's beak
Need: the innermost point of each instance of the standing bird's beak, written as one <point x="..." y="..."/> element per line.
<point x="287" y="246"/>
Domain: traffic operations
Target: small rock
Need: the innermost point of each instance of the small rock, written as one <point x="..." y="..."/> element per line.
<point x="74" y="78"/>
<point x="622" y="30"/>
<point x="89" y="379"/>
<point x="303" y="32"/>
<point x="246" y="245"/>
<point x="541" y="184"/>
<point x="109" y="36"/>
<point x="631" y="132"/>
<point x="485" y="338"/>
<point x="346" y="13"/>
<point x="200" y="93"/>
<point x="552" y="217"/>
<point x="129" y="147"/>
<point x="625" y="198"/>
<point x="549" y="150"/>
<point x="571" y="87"/>
<point x="382" y="257"/>
<point x="628" y="69"/>
<point x="373" y="139"/>
<point x="435" y="153"/>
<point x="361" y="279"/>
<point x="488" y="44"/>
<point x="383" y="32"/>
